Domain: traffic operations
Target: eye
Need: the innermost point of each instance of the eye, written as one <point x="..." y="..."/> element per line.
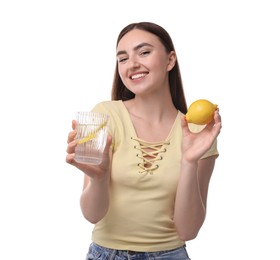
<point x="144" y="53"/>
<point x="122" y="59"/>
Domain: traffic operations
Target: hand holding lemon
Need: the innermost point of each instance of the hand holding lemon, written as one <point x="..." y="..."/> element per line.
<point x="201" y="112"/>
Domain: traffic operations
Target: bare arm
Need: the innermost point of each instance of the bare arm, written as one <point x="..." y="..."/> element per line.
<point x="191" y="196"/>
<point x="94" y="199"/>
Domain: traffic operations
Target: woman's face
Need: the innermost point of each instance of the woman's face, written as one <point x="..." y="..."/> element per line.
<point x="143" y="62"/>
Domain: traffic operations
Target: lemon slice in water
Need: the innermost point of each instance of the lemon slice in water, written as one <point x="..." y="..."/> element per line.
<point x="91" y="135"/>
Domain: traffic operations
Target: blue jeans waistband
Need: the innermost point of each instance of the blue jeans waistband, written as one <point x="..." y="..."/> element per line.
<point x="102" y="253"/>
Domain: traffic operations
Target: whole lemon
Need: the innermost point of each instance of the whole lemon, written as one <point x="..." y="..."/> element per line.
<point x="201" y="112"/>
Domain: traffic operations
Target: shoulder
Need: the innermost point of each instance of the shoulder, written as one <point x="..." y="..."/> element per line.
<point x="107" y="105"/>
<point x="113" y="108"/>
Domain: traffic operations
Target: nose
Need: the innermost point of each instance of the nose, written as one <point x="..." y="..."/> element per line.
<point x="133" y="62"/>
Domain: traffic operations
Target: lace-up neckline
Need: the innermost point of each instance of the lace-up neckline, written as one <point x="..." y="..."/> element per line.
<point x="150" y="154"/>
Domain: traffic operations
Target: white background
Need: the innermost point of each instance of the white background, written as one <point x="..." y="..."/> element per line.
<point x="57" y="57"/>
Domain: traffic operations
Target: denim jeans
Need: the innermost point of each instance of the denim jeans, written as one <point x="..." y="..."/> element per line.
<point x="97" y="252"/>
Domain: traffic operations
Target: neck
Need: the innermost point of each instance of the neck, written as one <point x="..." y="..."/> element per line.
<point x="153" y="109"/>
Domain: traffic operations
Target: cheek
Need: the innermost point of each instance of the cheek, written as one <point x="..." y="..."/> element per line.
<point x="121" y="72"/>
<point x="161" y="64"/>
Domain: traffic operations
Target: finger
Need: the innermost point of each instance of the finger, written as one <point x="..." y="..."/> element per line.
<point x="74" y="124"/>
<point x="71" y="147"/>
<point x="217" y="117"/>
<point x="217" y="123"/>
<point x="70" y="158"/>
<point x="71" y="136"/>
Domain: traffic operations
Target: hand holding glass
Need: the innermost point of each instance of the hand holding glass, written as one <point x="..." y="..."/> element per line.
<point x="92" y="131"/>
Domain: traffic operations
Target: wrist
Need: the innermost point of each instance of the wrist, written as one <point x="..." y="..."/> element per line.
<point x="189" y="166"/>
<point x="101" y="179"/>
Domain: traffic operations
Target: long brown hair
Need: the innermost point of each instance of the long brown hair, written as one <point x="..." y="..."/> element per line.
<point x="120" y="92"/>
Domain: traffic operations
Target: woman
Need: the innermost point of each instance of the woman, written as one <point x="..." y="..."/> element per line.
<point x="148" y="196"/>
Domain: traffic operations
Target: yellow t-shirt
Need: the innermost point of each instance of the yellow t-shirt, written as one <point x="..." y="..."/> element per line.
<point x="140" y="215"/>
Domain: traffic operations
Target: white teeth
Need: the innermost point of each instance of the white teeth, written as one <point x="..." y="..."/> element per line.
<point x="137" y="76"/>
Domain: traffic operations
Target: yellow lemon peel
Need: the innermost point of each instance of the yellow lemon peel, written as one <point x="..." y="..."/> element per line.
<point x="91" y="135"/>
<point x="201" y="112"/>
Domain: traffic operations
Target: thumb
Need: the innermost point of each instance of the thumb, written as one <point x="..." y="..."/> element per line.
<point x="184" y="121"/>
<point x="108" y="144"/>
<point x="185" y="125"/>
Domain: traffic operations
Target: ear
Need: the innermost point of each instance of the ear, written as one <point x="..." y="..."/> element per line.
<point x="171" y="60"/>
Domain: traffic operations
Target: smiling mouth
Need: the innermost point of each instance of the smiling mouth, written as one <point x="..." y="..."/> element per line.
<point x="138" y="76"/>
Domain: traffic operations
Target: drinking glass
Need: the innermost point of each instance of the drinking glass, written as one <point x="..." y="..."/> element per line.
<point x="92" y="131"/>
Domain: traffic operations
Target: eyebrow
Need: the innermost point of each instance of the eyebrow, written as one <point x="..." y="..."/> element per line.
<point x="137" y="47"/>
